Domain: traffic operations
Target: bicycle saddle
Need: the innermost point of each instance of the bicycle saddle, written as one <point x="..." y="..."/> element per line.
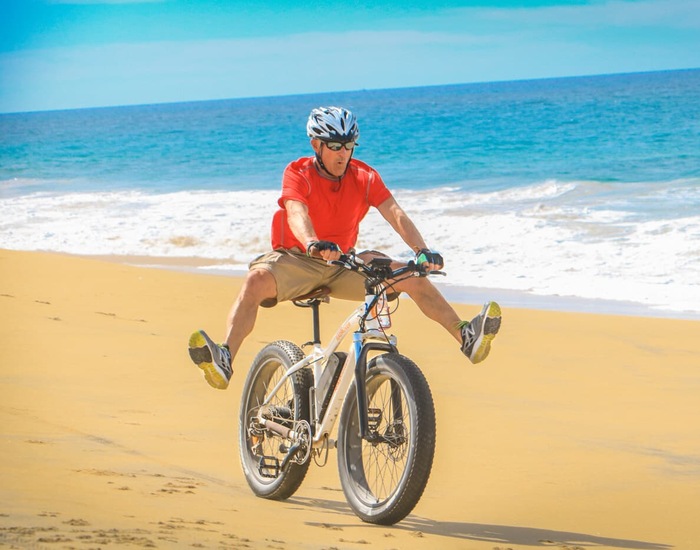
<point x="321" y="294"/>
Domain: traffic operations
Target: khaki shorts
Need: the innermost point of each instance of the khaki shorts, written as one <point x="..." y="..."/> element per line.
<point x="297" y="274"/>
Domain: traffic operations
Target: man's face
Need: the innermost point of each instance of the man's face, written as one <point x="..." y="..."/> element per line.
<point x="336" y="162"/>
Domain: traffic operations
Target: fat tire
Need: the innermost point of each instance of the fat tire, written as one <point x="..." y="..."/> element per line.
<point x="267" y="368"/>
<point x="360" y="461"/>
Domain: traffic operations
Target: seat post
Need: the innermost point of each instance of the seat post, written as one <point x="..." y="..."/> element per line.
<point x="313" y="300"/>
<point x="316" y="320"/>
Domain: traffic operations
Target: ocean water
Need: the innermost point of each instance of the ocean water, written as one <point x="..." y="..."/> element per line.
<point x="562" y="189"/>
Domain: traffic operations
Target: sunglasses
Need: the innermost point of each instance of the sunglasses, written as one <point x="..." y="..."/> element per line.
<point x="337" y="146"/>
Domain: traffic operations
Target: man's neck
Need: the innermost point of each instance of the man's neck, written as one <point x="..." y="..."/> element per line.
<point x="325" y="173"/>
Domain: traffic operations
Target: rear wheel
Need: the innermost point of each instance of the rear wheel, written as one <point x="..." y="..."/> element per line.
<point x="383" y="477"/>
<point x="263" y="451"/>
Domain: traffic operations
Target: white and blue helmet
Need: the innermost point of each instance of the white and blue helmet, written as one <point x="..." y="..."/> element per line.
<point x="332" y="124"/>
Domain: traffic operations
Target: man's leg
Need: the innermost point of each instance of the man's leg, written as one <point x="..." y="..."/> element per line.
<point x="216" y="360"/>
<point x="432" y="303"/>
<point x="259" y="285"/>
<point x="474" y="336"/>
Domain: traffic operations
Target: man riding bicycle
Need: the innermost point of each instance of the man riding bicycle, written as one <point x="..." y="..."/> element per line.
<point x="324" y="198"/>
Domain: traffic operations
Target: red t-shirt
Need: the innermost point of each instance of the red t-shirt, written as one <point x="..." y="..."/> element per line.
<point x="336" y="209"/>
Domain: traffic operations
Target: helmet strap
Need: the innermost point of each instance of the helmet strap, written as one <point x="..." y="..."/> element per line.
<point x="320" y="163"/>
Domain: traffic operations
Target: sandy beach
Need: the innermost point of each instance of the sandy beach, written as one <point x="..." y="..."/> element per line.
<point x="580" y="430"/>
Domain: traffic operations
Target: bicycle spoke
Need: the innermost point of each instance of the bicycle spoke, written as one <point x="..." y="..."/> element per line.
<point x="385" y="461"/>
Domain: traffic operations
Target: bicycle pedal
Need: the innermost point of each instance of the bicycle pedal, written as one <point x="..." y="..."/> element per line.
<point x="374" y="418"/>
<point x="269" y="467"/>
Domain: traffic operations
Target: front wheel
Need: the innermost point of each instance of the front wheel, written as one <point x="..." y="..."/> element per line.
<point x="384" y="476"/>
<point x="270" y="469"/>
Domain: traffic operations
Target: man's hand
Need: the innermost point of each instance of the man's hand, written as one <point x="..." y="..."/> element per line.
<point x="431" y="261"/>
<point x="327" y="250"/>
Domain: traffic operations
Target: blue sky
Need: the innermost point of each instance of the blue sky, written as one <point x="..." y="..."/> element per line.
<point x="62" y="54"/>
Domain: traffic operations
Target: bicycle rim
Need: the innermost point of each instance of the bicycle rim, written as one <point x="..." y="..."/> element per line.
<point x="384" y="479"/>
<point x="289" y="404"/>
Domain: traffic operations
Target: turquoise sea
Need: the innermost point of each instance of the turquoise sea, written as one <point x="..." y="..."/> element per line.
<point x="568" y="190"/>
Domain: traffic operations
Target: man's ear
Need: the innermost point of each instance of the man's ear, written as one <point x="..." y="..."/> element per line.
<point x="316" y="144"/>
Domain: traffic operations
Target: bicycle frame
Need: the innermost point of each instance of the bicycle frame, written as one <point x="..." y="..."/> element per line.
<point x="364" y="341"/>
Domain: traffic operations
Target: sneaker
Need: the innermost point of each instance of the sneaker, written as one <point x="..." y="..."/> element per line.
<point x="478" y="333"/>
<point x="213" y="359"/>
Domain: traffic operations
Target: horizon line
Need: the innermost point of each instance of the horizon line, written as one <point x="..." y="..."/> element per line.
<point x="358" y="90"/>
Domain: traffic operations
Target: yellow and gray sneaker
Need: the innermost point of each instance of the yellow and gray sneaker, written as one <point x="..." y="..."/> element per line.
<point x="213" y="359"/>
<point x="478" y="333"/>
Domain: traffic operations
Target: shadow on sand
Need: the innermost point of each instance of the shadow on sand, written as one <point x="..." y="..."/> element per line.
<point x="496" y="534"/>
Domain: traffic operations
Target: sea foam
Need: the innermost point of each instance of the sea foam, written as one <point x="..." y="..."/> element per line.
<point x="573" y="239"/>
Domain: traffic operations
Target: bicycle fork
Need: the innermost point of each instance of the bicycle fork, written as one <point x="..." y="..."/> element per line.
<point x="368" y="419"/>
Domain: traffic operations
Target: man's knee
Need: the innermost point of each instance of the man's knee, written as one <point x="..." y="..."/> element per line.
<point x="413" y="285"/>
<point x="259" y="286"/>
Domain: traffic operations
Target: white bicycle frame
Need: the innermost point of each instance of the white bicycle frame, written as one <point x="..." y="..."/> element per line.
<point x="319" y="356"/>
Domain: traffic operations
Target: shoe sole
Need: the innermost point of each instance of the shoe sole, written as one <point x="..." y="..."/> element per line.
<point x="200" y="353"/>
<point x="489" y="329"/>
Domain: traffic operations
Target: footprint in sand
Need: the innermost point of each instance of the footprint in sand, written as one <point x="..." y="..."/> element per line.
<point x="77" y="523"/>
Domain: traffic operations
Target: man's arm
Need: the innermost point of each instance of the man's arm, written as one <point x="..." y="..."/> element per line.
<point x="299" y="221"/>
<point x="303" y="229"/>
<point x="404" y="226"/>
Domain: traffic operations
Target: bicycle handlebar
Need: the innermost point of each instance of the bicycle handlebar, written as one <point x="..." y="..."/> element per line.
<point x="379" y="269"/>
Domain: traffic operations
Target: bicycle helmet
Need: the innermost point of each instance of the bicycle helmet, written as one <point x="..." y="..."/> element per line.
<point x="332" y="124"/>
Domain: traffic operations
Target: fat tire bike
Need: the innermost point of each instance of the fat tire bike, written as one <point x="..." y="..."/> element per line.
<point x="380" y="399"/>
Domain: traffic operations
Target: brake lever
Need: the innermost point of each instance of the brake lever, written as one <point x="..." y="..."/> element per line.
<point x="421" y="272"/>
<point x="340" y="263"/>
